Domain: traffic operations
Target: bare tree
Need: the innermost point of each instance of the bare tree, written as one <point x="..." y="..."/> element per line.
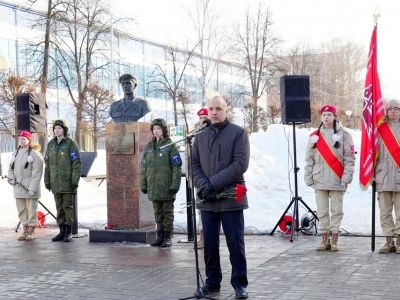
<point x="79" y="39"/>
<point x="204" y="20"/>
<point x="95" y="109"/>
<point x="169" y="78"/>
<point x="248" y="112"/>
<point x="10" y="86"/>
<point x="256" y="45"/>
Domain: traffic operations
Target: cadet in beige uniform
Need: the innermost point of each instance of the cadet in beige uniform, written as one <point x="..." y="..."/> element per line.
<point x="329" y="169"/>
<point x="387" y="177"/>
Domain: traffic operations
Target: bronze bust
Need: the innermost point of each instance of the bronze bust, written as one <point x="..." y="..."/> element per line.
<point x="130" y="108"/>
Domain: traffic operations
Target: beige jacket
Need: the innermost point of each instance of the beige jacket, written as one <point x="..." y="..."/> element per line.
<point x="387" y="174"/>
<point x="319" y="174"/>
<point x="28" y="179"/>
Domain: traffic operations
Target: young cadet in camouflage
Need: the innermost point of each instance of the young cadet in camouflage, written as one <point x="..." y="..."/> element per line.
<point x="160" y="179"/>
<point x="61" y="176"/>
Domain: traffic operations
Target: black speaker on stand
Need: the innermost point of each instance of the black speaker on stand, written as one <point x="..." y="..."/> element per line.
<point x="31" y="112"/>
<point x="295" y="99"/>
<point x="295" y="108"/>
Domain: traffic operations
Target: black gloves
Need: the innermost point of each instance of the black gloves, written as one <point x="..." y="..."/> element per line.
<point x="209" y="195"/>
<point x="47" y="185"/>
<point x="144" y="191"/>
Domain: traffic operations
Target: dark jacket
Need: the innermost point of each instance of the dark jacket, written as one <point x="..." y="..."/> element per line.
<point x="220" y="158"/>
<point x="62" y="166"/>
<point x="160" y="172"/>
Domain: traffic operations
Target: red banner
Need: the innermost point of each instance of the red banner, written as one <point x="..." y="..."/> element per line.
<point x="373" y="116"/>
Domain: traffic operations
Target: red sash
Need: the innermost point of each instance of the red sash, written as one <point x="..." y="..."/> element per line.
<point x="328" y="156"/>
<point x="390" y="141"/>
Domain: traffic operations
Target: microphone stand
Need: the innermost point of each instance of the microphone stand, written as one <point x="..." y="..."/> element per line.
<point x="188" y="139"/>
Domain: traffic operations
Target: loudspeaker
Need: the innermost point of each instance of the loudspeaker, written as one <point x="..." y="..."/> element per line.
<point x="31" y="112"/>
<point x="295" y="99"/>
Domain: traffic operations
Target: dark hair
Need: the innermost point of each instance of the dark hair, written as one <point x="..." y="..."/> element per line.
<point x="129" y="77"/>
<point x="337" y="144"/>
<point x="319" y="129"/>
<point x="26" y="164"/>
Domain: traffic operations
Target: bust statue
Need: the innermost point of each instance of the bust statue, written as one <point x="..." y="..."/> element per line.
<point x="130" y="108"/>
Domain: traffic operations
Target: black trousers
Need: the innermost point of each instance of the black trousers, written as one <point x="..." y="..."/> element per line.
<point x="233" y="225"/>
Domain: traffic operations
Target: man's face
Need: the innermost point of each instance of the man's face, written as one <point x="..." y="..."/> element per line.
<point x="127" y="86"/>
<point x="58" y="131"/>
<point x="393" y="113"/>
<point x="217" y="110"/>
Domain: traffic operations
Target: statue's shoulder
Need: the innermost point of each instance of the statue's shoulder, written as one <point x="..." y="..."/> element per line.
<point x="115" y="104"/>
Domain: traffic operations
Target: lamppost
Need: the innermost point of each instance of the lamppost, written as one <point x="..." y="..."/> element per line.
<point x="348" y="114"/>
<point x="286" y="63"/>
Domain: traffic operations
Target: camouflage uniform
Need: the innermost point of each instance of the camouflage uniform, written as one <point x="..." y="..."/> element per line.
<point x="61" y="176"/>
<point x="161" y="178"/>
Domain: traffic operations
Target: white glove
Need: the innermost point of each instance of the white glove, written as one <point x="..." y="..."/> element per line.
<point x="11" y="181"/>
<point x="31" y="193"/>
<point x="311" y="186"/>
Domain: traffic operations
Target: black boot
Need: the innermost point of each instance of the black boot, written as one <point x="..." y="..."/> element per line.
<point x="68" y="235"/>
<point x="60" y="236"/>
<point x="167" y="239"/>
<point x="159" y="240"/>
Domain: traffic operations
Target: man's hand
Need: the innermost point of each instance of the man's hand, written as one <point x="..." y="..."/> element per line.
<point x="173" y="191"/>
<point x="31" y="193"/>
<point x="144" y="191"/>
<point x="11" y="181"/>
<point x="212" y="196"/>
<point x="209" y="195"/>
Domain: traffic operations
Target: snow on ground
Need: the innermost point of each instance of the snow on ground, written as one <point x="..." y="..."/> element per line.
<point x="270" y="182"/>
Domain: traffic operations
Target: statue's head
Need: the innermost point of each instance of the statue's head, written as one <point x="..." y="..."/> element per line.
<point x="128" y="83"/>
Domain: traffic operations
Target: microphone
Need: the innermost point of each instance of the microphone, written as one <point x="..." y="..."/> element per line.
<point x="206" y="123"/>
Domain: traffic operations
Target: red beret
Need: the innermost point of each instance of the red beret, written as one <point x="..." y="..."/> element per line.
<point x="329" y="108"/>
<point x="203" y="112"/>
<point x="26" y="134"/>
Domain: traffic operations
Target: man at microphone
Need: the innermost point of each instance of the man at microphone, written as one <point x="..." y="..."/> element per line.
<point x="220" y="158"/>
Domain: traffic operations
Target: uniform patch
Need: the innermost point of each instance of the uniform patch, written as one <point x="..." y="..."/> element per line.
<point x="176" y="160"/>
<point x="74" y="156"/>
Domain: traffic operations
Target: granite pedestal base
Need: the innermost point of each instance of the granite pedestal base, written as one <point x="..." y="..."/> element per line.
<point x="146" y="236"/>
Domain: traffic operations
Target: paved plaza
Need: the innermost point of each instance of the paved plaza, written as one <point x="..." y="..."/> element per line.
<point x="277" y="269"/>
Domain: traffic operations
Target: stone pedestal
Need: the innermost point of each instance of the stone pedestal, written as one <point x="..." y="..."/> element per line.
<point x="128" y="210"/>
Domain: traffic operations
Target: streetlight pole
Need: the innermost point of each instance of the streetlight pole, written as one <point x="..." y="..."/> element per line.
<point x="286" y="63"/>
<point x="348" y="114"/>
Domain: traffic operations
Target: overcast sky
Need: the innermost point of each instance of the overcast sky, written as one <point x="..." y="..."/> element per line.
<point x="315" y="21"/>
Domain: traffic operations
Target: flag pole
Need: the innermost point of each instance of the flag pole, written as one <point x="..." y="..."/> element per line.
<point x="373" y="216"/>
<point x="376" y="17"/>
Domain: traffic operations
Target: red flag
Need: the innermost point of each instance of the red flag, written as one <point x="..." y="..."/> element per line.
<point x="373" y="116"/>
